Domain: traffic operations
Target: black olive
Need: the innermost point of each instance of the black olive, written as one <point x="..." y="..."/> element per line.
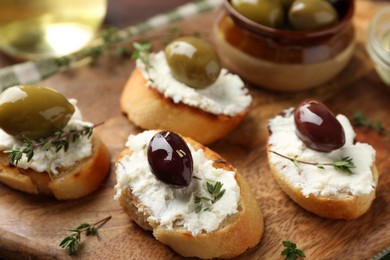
<point x="317" y="127"/>
<point x="170" y="159"/>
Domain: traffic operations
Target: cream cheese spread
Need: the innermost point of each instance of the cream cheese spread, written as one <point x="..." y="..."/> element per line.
<point x="51" y="161"/>
<point x="226" y="96"/>
<point x="312" y="180"/>
<point x="170" y="206"/>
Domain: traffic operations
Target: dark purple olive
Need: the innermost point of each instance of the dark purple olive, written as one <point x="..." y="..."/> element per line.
<point x="317" y="127"/>
<point x="170" y="159"/>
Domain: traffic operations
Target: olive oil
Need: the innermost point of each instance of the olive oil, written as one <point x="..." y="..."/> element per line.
<point x="33" y="29"/>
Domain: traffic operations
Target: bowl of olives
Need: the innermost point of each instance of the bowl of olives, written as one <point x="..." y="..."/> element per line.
<point x="285" y="45"/>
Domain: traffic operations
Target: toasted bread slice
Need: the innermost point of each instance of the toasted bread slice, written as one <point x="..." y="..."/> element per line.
<point x="341" y="206"/>
<point x="236" y="233"/>
<point x="149" y="109"/>
<point x="71" y="183"/>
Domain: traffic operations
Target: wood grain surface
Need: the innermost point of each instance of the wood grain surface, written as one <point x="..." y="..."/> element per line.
<point x="33" y="226"/>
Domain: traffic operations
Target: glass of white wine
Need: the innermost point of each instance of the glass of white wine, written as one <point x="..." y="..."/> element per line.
<point x="378" y="43"/>
<point x="35" y="29"/>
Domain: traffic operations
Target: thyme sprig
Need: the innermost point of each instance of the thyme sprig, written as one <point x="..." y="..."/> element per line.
<point x="291" y="251"/>
<point x="216" y="192"/>
<point x="72" y="242"/>
<point x="345" y="164"/>
<point x="358" y="119"/>
<point x="60" y="140"/>
<point x="141" y="51"/>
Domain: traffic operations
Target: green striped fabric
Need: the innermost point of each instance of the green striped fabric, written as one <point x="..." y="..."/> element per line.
<point x="384" y="255"/>
<point x="35" y="71"/>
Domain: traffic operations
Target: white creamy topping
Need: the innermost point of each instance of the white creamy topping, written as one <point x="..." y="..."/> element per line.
<point x="310" y="179"/>
<point x="51" y="161"/>
<point x="226" y="96"/>
<point x="171" y="206"/>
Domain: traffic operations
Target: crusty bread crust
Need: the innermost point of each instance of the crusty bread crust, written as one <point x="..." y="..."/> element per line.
<point x="335" y="207"/>
<point x="236" y="234"/>
<point x="149" y="109"/>
<point x="71" y="183"/>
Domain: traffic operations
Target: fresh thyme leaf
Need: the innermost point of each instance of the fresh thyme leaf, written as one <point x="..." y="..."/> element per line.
<point x="60" y="140"/>
<point x="286" y="244"/>
<point x="210" y="188"/>
<point x="124" y="52"/>
<point x="72" y="242"/>
<point x="219" y="195"/>
<point x="197" y="199"/>
<point x="198" y="208"/>
<point x="360" y="120"/>
<point x="291" y="251"/>
<point x="172" y="33"/>
<point x="295" y="160"/>
<point x="345" y="164"/>
<point x="205" y="198"/>
<point x="141" y="48"/>
<point x="378" y="126"/>
<point x="216" y="193"/>
<point x="92" y="231"/>
<point x="84" y="225"/>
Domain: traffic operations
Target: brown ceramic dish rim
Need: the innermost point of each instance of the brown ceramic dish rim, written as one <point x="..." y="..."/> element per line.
<point x="257" y="28"/>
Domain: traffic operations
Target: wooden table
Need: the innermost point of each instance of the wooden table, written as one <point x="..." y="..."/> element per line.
<point x="33" y="226"/>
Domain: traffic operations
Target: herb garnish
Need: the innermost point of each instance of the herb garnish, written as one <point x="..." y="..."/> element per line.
<point x="345" y="164"/>
<point x="141" y="51"/>
<point x="175" y="32"/>
<point x="216" y="193"/>
<point x="72" y="242"/>
<point x="377" y="126"/>
<point x="59" y="140"/>
<point x="291" y="251"/>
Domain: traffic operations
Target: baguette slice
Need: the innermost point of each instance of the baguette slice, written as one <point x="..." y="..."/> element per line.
<point x="149" y="109"/>
<point x="345" y="206"/>
<point x="236" y="234"/>
<point x="71" y="183"/>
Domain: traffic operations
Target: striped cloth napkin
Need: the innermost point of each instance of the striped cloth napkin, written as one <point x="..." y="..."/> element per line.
<point x="35" y="71"/>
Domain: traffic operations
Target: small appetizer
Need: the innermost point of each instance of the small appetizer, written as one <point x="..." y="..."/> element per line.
<point x="313" y="157"/>
<point x="46" y="147"/>
<point x="184" y="89"/>
<point x="187" y="195"/>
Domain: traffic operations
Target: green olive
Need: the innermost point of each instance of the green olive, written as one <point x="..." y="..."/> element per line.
<point x="33" y="111"/>
<point x="193" y="62"/>
<point x="266" y="12"/>
<point x="312" y="14"/>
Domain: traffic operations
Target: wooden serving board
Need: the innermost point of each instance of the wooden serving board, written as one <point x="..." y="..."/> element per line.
<point x="33" y="226"/>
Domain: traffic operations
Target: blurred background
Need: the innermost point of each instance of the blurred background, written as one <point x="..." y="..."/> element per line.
<point x="122" y="13"/>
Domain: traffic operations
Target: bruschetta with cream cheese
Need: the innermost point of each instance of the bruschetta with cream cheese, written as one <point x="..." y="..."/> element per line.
<point x="313" y="156"/>
<point x="46" y="147"/>
<point x="187" y="195"/>
<point x="184" y="89"/>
